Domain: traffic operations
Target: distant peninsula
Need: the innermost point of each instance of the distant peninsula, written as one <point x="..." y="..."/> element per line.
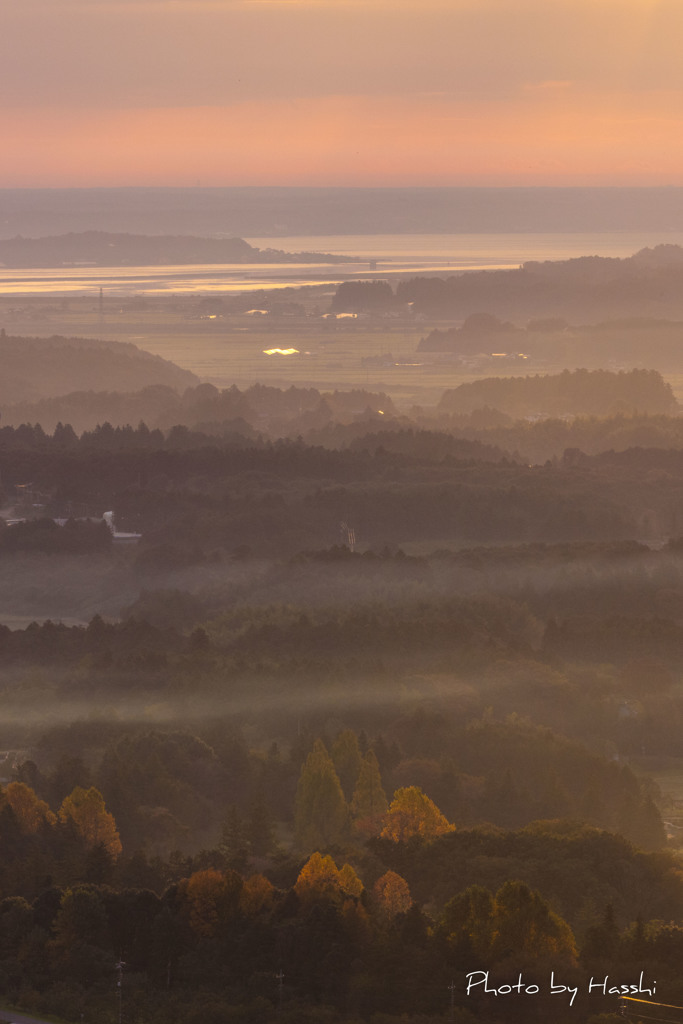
<point x="103" y="249"/>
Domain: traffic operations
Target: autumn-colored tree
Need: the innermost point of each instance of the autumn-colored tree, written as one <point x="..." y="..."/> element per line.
<point x="349" y="881"/>
<point x="346" y="757"/>
<point x="369" y="802"/>
<point x="321" y="816"/>
<point x="211" y="897"/>
<point x="391" y="895"/>
<point x="412" y="813"/>
<point x="257" y="894"/>
<point x="85" y="808"/>
<point x="318" y="879"/>
<point x="29" y="810"/>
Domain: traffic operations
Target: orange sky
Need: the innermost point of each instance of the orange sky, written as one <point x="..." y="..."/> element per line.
<point x="321" y="92"/>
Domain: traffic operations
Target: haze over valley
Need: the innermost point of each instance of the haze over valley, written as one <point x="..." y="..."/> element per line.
<point x="341" y="621"/>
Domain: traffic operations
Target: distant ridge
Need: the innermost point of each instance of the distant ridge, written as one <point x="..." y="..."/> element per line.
<point x="277" y="212"/>
<point x="105" y="249"/>
<point x="35" y="368"/>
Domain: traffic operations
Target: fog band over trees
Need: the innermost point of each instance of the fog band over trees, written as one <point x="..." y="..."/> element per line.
<point x="341" y="616"/>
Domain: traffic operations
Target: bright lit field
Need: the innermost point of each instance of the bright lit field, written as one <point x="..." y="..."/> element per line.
<point x="232" y="350"/>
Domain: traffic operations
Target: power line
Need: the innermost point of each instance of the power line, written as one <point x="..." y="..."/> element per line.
<point x="646" y="1002"/>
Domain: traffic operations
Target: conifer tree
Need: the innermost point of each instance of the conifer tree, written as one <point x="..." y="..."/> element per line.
<point x="321" y="814"/>
<point x="369" y="802"/>
<point x="346" y="757"/>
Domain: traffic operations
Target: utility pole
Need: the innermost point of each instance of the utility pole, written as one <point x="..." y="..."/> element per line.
<point x="279" y="977"/>
<point x="119" y="987"/>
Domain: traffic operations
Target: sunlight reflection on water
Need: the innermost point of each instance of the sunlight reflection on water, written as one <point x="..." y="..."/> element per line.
<point x="380" y="255"/>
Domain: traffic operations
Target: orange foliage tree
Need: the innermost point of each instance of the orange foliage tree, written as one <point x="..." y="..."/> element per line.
<point x="211" y="897"/>
<point x="257" y="894"/>
<point x="391" y="895"/>
<point x="320" y="878"/>
<point x="30" y="811"/>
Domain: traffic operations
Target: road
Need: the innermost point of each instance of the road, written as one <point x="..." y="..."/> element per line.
<point x="14" y="1017"/>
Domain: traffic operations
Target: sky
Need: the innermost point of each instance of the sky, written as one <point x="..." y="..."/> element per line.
<point x="341" y="92"/>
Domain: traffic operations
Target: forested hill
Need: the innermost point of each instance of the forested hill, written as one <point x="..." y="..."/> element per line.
<point x="101" y="248"/>
<point x="35" y="368"/>
<point x="588" y="289"/>
<point x="577" y="393"/>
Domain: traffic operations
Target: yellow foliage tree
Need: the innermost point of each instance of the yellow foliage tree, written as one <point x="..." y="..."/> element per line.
<point x="318" y="879"/>
<point x="412" y="813"/>
<point x="349" y="881"/>
<point x="85" y="808"/>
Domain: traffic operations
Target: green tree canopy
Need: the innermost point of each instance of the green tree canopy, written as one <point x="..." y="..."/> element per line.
<point x="321" y="815"/>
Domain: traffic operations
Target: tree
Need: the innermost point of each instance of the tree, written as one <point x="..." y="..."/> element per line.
<point x="257" y="894"/>
<point x="346" y="758"/>
<point x="321" y="814"/>
<point x="211" y="897"/>
<point x="468" y="923"/>
<point x="526" y="924"/>
<point x="411" y="814"/>
<point x="391" y="895"/>
<point x="369" y="802"/>
<point x="30" y="811"/>
<point x="85" y="808"/>
<point x="233" y="843"/>
<point x="318" y="879"/>
<point x="259" y="827"/>
<point x="349" y="881"/>
<point x="517" y="921"/>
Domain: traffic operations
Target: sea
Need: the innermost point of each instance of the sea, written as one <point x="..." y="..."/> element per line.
<point x="381" y="256"/>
